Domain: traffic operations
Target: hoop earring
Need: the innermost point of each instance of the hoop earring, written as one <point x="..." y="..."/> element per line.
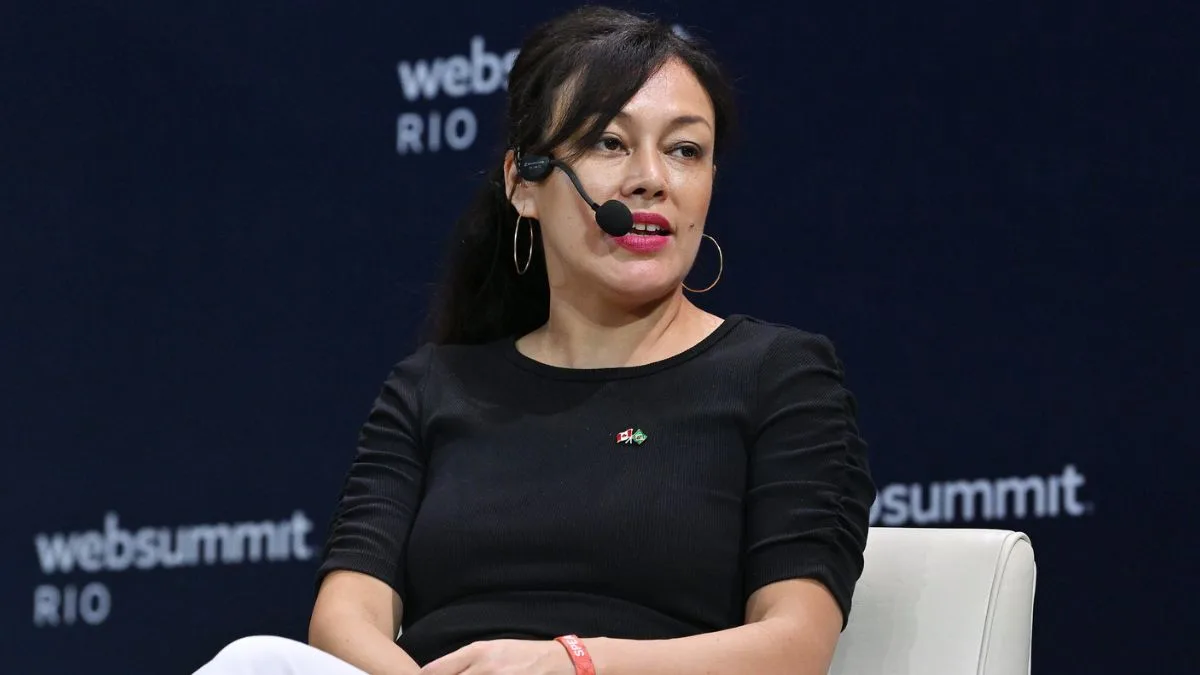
<point x="529" y="259"/>
<point x="720" y="270"/>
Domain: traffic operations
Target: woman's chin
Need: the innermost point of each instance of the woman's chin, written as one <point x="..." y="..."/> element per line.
<point x="642" y="285"/>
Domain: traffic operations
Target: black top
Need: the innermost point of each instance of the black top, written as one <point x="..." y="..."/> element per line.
<point x="502" y="497"/>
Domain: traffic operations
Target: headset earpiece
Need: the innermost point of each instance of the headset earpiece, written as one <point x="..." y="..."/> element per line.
<point x="613" y="216"/>
<point x="533" y="167"/>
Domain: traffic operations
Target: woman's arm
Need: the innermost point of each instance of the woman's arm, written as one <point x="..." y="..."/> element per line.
<point x="791" y="628"/>
<point x="357" y="613"/>
<point x="356" y="618"/>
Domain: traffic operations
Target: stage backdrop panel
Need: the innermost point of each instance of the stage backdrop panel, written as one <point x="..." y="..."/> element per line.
<point x="220" y="221"/>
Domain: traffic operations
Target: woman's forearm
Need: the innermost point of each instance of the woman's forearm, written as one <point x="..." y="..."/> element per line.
<point x="361" y="644"/>
<point x="768" y="647"/>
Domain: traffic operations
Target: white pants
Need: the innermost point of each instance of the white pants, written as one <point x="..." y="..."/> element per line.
<point x="269" y="655"/>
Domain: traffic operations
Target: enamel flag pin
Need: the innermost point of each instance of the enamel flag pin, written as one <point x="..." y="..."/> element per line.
<point x="631" y="436"/>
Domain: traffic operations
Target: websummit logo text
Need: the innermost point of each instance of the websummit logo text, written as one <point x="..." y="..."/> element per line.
<point x="479" y="73"/>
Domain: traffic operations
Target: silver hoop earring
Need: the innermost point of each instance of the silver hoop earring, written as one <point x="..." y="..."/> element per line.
<point x="529" y="258"/>
<point x="720" y="270"/>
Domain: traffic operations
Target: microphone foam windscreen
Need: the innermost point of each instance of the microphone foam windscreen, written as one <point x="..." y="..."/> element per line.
<point x="614" y="218"/>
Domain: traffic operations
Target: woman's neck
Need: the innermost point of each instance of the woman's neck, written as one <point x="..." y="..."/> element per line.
<point x="606" y="337"/>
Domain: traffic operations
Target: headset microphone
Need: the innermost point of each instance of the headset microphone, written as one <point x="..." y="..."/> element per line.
<point x="612" y="216"/>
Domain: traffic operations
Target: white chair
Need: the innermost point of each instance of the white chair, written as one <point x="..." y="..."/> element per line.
<point x="941" y="602"/>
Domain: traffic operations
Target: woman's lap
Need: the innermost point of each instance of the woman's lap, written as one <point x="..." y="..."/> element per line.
<point x="270" y="655"/>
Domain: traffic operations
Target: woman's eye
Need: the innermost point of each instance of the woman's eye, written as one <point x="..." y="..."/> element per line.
<point x="689" y="151"/>
<point x="611" y="144"/>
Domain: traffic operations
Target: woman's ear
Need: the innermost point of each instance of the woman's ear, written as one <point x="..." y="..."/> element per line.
<point x="520" y="193"/>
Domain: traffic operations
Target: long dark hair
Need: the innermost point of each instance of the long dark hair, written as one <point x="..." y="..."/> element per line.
<point x="606" y="55"/>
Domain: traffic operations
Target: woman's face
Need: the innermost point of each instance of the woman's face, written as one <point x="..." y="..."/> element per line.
<point x="656" y="157"/>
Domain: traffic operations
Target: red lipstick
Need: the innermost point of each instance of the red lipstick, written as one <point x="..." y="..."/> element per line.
<point x="646" y="241"/>
<point x="651" y="218"/>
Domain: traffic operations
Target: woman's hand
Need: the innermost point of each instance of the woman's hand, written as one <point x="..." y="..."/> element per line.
<point x="505" y="657"/>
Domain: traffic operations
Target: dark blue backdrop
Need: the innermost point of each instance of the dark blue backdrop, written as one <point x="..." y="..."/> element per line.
<point x="217" y="234"/>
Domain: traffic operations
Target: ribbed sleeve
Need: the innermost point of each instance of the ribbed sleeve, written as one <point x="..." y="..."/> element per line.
<point x="382" y="488"/>
<point x="809" y="488"/>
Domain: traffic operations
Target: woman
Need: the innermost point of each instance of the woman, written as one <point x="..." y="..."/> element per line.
<point x="582" y="471"/>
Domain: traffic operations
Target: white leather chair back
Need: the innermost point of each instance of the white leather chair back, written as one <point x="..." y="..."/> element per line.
<point x="941" y="602"/>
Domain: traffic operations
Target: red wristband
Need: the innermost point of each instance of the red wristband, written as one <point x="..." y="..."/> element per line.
<point x="578" y="653"/>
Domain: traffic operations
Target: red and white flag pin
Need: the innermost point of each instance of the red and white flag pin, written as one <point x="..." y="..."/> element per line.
<point x="631" y="436"/>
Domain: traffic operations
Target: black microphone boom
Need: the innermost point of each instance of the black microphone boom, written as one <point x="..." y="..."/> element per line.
<point x="612" y="216"/>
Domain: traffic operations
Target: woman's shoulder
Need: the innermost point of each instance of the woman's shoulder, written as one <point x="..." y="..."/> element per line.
<point x="771" y="338"/>
<point x="428" y="355"/>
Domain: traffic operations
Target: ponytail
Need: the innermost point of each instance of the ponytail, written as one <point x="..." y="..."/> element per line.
<point x="481" y="296"/>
